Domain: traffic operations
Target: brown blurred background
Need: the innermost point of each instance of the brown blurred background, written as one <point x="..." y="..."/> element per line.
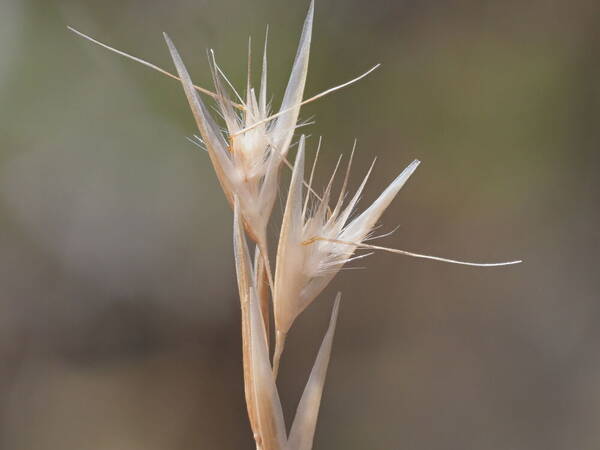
<point x="118" y="309"/>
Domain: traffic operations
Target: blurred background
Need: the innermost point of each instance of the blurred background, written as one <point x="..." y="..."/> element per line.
<point x="119" y="316"/>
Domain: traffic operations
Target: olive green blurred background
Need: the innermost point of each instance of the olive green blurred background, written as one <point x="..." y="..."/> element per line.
<point x="119" y="321"/>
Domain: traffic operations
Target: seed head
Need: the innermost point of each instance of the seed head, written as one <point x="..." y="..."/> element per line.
<point x="247" y="162"/>
<point x="308" y="255"/>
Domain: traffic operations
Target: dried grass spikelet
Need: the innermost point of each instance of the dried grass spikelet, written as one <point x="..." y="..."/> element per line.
<point x="315" y="243"/>
<point x="262" y="398"/>
<point x="305" y="266"/>
<point x="247" y="164"/>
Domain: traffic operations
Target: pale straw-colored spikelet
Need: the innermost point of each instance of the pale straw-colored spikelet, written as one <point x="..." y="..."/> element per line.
<point x="248" y="165"/>
<point x="316" y="239"/>
<point x="307" y="259"/>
